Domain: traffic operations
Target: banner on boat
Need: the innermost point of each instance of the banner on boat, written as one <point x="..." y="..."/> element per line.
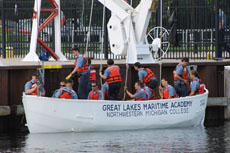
<point x="147" y="109"/>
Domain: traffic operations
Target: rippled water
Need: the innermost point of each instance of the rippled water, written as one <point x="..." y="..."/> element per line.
<point x="194" y="139"/>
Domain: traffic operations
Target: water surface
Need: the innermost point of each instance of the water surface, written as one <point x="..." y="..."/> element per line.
<point x="192" y="139"/>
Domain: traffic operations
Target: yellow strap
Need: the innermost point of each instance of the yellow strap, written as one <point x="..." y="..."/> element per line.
<point x="51" y="66"/>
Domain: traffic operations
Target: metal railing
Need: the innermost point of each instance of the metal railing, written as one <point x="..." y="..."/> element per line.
<point x="195" y="37"/>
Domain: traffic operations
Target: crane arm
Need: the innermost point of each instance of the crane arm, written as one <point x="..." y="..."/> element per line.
<point x="127" y="29"/>
<point x="118" y="7"/>
<point x="142" y="18"/>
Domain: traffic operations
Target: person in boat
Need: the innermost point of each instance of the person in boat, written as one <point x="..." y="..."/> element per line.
<point x="95" y="93"/>
<point x="33" y="86"/>
<point x="62" y="85"/>
<point x="150" y="92"/>
<point x="113" y="78"/>
<point x="140" y="92"/>
<point x="67" y="92"/>
<point x="196" y="86"/>
<point x="180" y="76"/>
<point x="81" y="67"/>
<point x="166" y="91"/>
<point x="92" y="75"/>
<point x="146" y="76"/>
<point x="105" y="90"/>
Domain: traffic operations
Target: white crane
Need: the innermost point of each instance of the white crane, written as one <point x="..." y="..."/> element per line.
<point x="127" y="29"/>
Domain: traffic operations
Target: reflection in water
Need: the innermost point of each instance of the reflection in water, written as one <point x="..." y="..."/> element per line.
<point x="219" y="139"/>
<point x="12" y="143"/>
<point x="162" y="140"/>
<point x="194" y="139"/>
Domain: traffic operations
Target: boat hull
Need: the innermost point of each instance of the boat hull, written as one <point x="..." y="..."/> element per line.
<point x="46" y="115"/>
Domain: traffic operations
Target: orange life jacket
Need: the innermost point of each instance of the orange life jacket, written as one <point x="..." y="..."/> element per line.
<point x="166" y="93"/>
<point x="36" y="90"/>
<point x="94" y="96"/>
<point x="67" y="94"/>
<point x="92" y="74"/>
<point x="201" y="87"/>
<point x="148" y="77"/>
<point x="153" y="93"/>
<point x="84" y="67"/>
<point x="115" y="75"/>
<point x="141" y="98"/>
<point x="184" y="75"/>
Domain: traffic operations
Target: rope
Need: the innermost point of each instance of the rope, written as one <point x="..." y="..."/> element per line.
<point x="126" y="79"/>
<point x="89" y="29"/>
<point x="160" y="60"/>
<point x="160" y="70"/>
<point x="82" y="14"/>
<point x="102" y="37"/>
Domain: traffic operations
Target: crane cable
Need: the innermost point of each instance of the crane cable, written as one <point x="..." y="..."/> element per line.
<point x="127" y="57"/>
<point x="102" y="44"/>
<point x="89" y="29"/>
<point x="102" y="37"/>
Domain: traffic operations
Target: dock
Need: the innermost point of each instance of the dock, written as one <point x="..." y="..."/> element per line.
<point x="14" y="74"/>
